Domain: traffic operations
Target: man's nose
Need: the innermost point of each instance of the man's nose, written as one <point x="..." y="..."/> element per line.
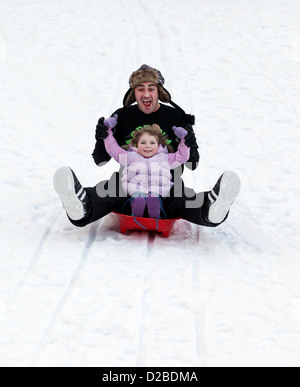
<point x="146" y="94"/>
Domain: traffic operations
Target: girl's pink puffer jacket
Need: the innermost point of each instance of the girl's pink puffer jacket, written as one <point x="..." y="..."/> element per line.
<point x="147" y="175"/>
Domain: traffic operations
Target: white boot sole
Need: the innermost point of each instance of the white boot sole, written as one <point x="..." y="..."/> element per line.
<point x="230" y="186"/>
<point x="63" y="183"/>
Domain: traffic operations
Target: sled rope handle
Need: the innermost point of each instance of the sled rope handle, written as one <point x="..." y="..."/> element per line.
<point x="145" y="228"/>
<point x="135" y="220"/>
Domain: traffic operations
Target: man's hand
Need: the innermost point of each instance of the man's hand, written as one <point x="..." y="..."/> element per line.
<point x="190" y="139"/>
<point x="101" y="130"/>
<point x="103" y="126"/>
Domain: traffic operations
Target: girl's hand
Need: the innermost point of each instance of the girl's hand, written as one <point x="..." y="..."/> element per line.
<point x="179" y="131"/>
<point x="111" y="122"/>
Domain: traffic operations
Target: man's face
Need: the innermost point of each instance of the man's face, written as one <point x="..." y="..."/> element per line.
<point x="146" y="95"/>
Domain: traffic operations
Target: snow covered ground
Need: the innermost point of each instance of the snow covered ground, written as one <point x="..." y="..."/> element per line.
<point x="228" y="296"/>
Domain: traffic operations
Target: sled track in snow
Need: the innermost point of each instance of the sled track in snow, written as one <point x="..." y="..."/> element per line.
<point x="60" y="305"/>
<point x="93" y="232"/>
<point x="133" y="27"/>
<point x="72" y="296"/>
<point x="199" y="312"/>
<point x="157" y="27"/>
<point x="199" y="319"/>
<point x="144" y="50"/>
<point x="36" y="256"/>
<point x="85" y="252"/>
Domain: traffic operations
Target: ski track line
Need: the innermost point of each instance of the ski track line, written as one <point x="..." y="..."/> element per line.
<point x="237" y="235"/>
<point x="93" y="233"/>
<point x="135" y="34"/>
<point x="143" y="315"/>
<point x="157" y="27"/>
<point x="36" y="353"/>
<point x="185" y="74"/>
<point x="199" y="310"/>
<point x="144" y="297"/>
<point x="275" y="233"/>
<point x="36" y="256"/>
<point x="38" y="251"/>
<point x="122" y="67"/>
<point x="151" y="236"/>
<point x="258" y="249"/>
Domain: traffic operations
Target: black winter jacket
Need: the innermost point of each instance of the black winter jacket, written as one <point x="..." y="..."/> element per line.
<point x="130" y="118"/>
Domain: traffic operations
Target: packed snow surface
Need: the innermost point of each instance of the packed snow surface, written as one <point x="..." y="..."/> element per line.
<point x="228" y="296"/>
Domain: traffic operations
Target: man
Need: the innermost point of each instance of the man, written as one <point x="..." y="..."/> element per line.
<point x="86" y="205"/>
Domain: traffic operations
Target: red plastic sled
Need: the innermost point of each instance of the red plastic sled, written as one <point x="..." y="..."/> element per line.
<point x="145" y="224"/>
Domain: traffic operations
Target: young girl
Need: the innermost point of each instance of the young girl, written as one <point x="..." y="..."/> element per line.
<point x="147" y="165"/>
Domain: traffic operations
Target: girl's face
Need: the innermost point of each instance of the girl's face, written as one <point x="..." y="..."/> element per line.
<point x="147" y="145"/>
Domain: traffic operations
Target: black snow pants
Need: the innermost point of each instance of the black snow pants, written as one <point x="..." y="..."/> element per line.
<point x="108" y="196"/>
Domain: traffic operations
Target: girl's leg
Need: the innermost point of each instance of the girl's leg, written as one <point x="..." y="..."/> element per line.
<point x="138" y="204"/>
<point x="153" y="204"/>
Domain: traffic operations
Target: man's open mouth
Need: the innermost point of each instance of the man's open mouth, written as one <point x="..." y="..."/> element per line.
<point x="147" y="104"/>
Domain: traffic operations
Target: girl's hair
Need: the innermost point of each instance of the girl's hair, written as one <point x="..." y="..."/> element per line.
<point x="153" y="130"/>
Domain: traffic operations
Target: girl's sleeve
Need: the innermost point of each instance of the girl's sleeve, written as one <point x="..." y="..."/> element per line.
<point x="114" y="150"/>
<point x="180" y="157"/>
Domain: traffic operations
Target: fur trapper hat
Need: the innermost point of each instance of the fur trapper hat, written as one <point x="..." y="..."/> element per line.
<point x="149" y="74"/>
<point x="146" y="74"/>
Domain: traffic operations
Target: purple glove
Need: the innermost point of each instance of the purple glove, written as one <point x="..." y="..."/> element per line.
<point x="179" y="131"/>
<point x="111" y="122"/>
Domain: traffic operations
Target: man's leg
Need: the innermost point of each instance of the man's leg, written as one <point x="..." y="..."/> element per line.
<point x="87" y="205"/>
<point x="190" y="206"/>
<point x="209" y="208"/>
